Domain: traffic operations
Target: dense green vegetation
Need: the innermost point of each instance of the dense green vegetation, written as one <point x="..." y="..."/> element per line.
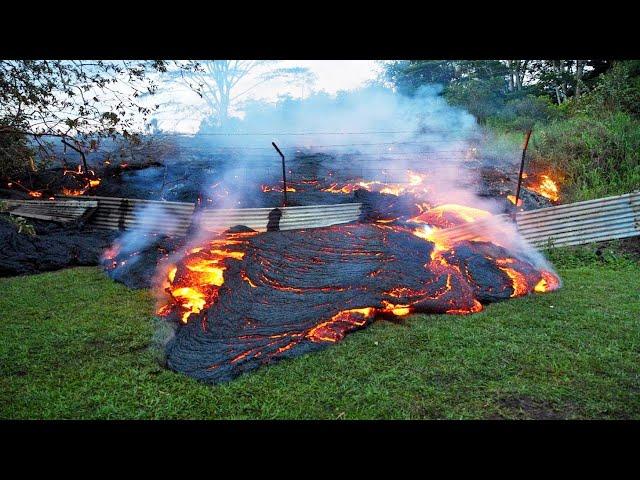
<point x="78" y="345"/>
<point x="584" y="114"/>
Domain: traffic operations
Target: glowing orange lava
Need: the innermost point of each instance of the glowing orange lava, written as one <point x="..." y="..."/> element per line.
<point x="89" y="182"/>
<point x="397" y="310"/>
<point x="518" y="281"/>
<point x="201" y="274"/>
<point x="193" y="283"/>
<point x="548" y="283"/>
<point x="334" y="329"/>
<point x="268" y="188"/>
<point x="414" y="185"/>
<point x="32" y="193"/>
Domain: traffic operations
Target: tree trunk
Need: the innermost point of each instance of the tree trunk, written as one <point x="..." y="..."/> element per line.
<point x="579" y="68"/>
<point x="561" y="91"/>
<point x="523" y="72"/>
<point x="511" y="76"/>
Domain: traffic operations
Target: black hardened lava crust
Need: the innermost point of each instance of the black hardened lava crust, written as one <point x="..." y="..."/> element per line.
<point x="53" y="247"/>
<point x="300" y="279"/>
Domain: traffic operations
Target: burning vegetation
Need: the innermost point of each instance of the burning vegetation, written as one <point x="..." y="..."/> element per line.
<point x="545" y="186"/>
<point x="87" y="181"/>
<point x="73" y="183"/>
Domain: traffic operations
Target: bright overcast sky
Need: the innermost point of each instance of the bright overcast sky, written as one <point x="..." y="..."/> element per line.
<point x="332" y="76"/>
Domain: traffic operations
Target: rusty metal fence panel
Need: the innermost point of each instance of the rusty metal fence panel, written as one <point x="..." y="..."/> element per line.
<point x="129" y="213"/>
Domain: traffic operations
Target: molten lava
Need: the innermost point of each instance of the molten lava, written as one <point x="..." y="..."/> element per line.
<point x="241" y="300"/>
<point x="193" y="284"/>
<point x="247" y="299"/>
<point x="335" y="329"/>
<point x="414" y="186"/>
<point x="88" y="180"/>
<point x="512" y="199"/>
<point x="449" y="215"/>
<point x="268" y="188"/>
<point x="548" y="283"/>
<point x="31" y="193"/>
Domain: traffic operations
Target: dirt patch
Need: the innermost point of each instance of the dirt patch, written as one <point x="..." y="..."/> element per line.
<point x="527" y="408"/>
<point x="631" y="247"/>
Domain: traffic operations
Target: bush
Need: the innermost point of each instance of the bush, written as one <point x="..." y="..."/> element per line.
<point x="15" y="152"/>
<point x="598" y="156"/>
<point x="522" y="113"/>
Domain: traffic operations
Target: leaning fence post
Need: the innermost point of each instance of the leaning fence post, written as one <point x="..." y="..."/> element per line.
<point x="284" y="174"/>
<point x="524" y="153"/>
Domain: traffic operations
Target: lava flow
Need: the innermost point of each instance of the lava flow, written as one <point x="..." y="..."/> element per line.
<point x="240" y="299"/>
<point x="31" y="193"/>
<point x="269" y="188"/>
<point x="512" y="199"/>
<point x="414" y="185"/>
<point x="245" y="299"/>
<point x="193" y="284"/>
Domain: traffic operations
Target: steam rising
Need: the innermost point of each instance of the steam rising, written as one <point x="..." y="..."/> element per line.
<point x="380" y="135"/>
<point x="152" y="222"/>
<point x="370" y="134"/>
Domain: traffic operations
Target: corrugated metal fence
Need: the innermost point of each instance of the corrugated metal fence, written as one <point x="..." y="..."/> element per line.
<point x="571" y="224"/>
<point x="582" y="222"/>
<point x="123" y="213"/>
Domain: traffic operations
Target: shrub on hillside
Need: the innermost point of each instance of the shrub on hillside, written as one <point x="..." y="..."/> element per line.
<point x="598" y="156"/>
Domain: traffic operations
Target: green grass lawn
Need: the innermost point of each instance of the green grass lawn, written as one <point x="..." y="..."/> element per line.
<point x="77" y="345"/>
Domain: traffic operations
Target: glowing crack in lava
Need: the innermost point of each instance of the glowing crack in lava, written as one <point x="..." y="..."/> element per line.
<point x="269" y="188"/>
<point x="193" y="284"/>
<point x="246" y="299"/>
<point x="414" y="185"/>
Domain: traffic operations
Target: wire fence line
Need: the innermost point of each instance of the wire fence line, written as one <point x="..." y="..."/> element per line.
<point x="272" y="174"/>
<point x="425" y="131"/>
<point x="300" y="148"/>
<point x="257" y="156"/>
<point x="327" y="145"/>
<point x="382" y="132"/>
